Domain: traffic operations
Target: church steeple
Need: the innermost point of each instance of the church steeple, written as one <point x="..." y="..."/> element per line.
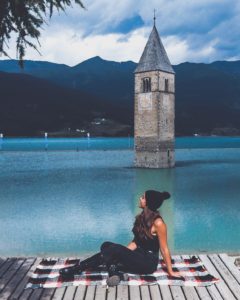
<point x="154" y="107"/>
<point x="154" y="56"/>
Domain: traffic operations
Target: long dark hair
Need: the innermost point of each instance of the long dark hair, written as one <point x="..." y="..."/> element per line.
<point x="143" y="223"/>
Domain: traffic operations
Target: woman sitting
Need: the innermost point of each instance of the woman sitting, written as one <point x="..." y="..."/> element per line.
<point x="141" y="256"/>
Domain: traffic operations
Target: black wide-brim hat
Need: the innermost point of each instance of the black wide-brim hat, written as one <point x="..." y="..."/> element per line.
<point x="154" y="199"/>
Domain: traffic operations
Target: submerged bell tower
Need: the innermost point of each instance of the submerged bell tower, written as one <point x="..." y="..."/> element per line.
<point x="154" y="107"/>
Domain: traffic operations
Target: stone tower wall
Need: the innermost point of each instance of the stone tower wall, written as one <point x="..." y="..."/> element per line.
<point x="154" y="116"/>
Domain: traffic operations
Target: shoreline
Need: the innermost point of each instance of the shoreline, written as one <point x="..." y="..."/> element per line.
<point x="105" y="137"/>
<point x="232" y="255"/>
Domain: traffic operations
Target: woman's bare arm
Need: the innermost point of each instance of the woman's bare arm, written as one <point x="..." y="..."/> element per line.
<point x="161" y="230"/>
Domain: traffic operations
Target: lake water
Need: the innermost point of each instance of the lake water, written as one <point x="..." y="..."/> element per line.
<point x="35" y="144"/>
<point x="57" y="203"/>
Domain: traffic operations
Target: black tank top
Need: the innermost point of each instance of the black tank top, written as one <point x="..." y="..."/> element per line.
<point x="147" y="243"/>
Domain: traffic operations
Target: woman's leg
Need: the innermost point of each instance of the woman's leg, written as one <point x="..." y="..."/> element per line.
<point x="91" y="262"/>
<point x="137" y="261"/>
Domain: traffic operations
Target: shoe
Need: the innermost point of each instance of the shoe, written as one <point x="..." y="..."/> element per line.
<point x="70" y="271"/>
<point x="115" y="276"/>
<point x="113" y="280"/>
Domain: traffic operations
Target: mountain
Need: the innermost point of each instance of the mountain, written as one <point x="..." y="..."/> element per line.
<point x="110" y="80"/>
<point x="55" y="96"/>
<point x="207" y="97"/>
<point x="31" y="106"/>
<point x="91" y="75"/>
<point x="230" y="67"/>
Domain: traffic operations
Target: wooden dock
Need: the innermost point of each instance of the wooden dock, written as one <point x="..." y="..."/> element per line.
<point x="14" y="273"/>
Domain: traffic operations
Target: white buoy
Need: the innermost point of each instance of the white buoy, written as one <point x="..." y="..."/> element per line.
<point x="46" y="141"/>
<point x="88" y="139"/>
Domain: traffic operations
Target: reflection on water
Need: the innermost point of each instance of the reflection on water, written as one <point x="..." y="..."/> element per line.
<point x="68" y="203"/>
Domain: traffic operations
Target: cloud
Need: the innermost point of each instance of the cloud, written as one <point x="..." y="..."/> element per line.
<point x="71" y="48"/>
<point x="197" y="31"/>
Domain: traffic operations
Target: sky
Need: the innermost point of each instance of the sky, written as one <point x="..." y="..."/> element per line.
<point x="191" y="30"/>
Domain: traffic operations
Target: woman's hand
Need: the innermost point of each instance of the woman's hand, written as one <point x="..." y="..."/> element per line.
<point x="175" y="274"/>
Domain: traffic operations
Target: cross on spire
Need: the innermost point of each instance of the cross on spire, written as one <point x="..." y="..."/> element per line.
<point x="154" y="17"/>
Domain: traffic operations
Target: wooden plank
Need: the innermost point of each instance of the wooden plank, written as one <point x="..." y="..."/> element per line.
<point x="25" y="295"/>
<point x="47" y="293"/>
<point x="212" y="289"/>
<point x="100" y="292"/>
<point x="90" y="292"/>
<point x="155" y="292"/>
<point x="36" y="294"/>
<point x="20" y="288"/>
<point x="214" y="293"/>
<point x="191" y="292"/>
<point x="122" y="292"/>
<point x="145" y="294"/>
<point x="80" y="292"/>
<point x="9" y="273"/>
<point x="6" y="266"/>
<point x="177" y="292"/>
<point x="70" y="292"/>
<point x="16" y="279"/>
<point x="226" y="275"/>
<point x="165" y="292"/>
<point x="134" y="292"/>
<point x="2" y="261"/>
<point x="111" y="293"/>
<point x="203" y="293"/>
<point x="230" y="265"/>
<point x="59" y="292"/>
<point x="222" y="289"/>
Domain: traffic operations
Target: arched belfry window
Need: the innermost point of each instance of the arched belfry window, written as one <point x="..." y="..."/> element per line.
<point x="146" y="84"/>
<point x="166" y="85"/>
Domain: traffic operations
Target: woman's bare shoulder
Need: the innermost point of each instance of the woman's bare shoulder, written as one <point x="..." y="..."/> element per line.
<point x="159" y="222"/>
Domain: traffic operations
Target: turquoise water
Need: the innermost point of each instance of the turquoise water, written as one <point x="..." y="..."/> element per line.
<point x="30" y="144"/>
<point x="57" y="203"/>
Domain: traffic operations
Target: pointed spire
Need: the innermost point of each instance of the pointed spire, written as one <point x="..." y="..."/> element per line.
<point x="154" y="18"/>
<point x="154" y="56"/>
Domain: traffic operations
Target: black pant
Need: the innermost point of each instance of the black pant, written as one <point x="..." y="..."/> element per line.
<point x="133" y="261"/>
